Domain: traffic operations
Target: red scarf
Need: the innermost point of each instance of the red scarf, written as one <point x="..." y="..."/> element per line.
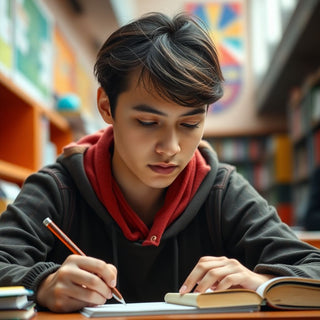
<point x="97" y="163"/>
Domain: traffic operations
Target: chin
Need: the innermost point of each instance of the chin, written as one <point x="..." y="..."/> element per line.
<point x="156" y="184"/>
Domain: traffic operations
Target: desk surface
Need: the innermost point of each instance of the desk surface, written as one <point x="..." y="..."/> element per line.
<point x="274" y="315"/>
<point x="311" y="237"/>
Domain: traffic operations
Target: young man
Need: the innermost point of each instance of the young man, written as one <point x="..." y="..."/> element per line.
<point x="145" y="199"/>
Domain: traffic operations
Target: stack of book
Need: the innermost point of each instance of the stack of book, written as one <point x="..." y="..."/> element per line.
<point x="14" y="303"/>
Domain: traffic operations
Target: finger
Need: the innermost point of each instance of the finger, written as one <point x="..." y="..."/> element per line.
<point x="107" y="272"/>
<point x="64" y="295"/>
<point x="218" y="278"/>
<point x="92" y="282"/>
<point x="79" y="271"/>
<point x="233" y="274"/>
<point x="230" y="281"/>
<point x="74" y="299"/>
<point x="199" y="271"/>
<point x="85" y="295"/>
<point x="64" y="304"/>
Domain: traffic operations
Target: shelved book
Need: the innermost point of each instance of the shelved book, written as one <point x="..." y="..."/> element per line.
<point x="14" y="303"/>
<point x="287" y="293"/>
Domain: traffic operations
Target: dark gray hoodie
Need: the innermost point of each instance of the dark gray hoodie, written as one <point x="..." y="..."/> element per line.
<point x="225" y="217"/>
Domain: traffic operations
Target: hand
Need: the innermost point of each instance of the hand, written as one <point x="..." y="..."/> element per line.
<point x="79" y="282"/>
<point x="220" y="273"/>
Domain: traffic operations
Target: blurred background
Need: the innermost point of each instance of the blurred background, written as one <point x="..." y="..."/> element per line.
<point x="267" y="123"/>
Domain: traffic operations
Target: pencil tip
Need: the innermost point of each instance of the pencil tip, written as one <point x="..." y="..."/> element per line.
<point x="119" y="298"/>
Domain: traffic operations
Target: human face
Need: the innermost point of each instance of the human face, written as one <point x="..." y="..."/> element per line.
<point x="153" y="139"/>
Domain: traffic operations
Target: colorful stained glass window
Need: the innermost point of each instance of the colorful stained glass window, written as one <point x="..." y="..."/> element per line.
<point x="224" y="22"/>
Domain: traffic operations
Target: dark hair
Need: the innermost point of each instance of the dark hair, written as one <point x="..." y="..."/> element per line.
<point x="176" y="56"/>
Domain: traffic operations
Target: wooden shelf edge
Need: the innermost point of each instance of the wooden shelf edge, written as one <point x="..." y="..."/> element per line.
<point x="9" y="84"/>
<point x="13" y="173"/>
<point x="54" y="117"/>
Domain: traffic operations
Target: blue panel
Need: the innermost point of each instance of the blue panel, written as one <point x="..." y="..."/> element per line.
<point x="227" y="16"/>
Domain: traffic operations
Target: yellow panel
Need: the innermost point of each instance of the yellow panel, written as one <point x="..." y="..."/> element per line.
<point x="235" y="29"/>
<point x="85" y="90"/>
<point x="64" y="65"/>
<point x="213" y="10"/>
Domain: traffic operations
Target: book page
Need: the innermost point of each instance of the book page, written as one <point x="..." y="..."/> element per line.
<point x="261" y="289"/>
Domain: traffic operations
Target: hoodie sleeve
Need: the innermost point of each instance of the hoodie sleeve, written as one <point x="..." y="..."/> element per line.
<point x="24" y="241"/>
<point x="253" y="233"/>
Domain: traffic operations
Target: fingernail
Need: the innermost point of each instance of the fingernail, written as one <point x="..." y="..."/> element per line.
<point x="113" y="283"/>
<point x="183" y="289"/>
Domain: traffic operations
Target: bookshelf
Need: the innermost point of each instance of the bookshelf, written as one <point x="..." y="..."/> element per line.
<point x="278" y="175"/>
<point x="304" y="121"/>
<point x="245" y="152"/>
<point x="21" y="134"/>
<point x="296" y="55"/>
<point x="290" y="87"/>
<point x="265" y="161"/>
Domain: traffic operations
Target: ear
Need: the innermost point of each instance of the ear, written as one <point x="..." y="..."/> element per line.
<point x="104" y="106"/>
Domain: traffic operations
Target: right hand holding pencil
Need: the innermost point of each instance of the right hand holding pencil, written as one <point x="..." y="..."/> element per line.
<point x="76" y="284"/>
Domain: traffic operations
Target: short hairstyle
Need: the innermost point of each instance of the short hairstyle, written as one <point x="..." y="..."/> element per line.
<point x="176" y="56"/>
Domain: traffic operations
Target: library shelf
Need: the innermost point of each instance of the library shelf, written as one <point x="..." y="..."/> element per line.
<point x="304" y="123"/>
<point x="294" y="58"/>
<point x="23" y="125"/>
<point x="13" y="173"/>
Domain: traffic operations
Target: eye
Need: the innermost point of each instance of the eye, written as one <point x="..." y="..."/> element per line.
<point x="191" y="125"/>
<point x="147" y="123"/>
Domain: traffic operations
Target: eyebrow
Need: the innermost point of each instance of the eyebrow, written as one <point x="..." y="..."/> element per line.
<point x="149" y="109"/>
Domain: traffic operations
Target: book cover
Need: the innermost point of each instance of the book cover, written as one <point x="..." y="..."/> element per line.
<point x="14" y="297"/>
<point x="11" y="291"/>
<point x="23" y="313"/>
<point x="288" y="293"/>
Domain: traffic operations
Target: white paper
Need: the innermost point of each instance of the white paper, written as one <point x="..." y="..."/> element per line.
<point x="144" y="308"/>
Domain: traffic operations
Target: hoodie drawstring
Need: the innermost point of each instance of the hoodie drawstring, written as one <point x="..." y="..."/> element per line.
<point x="176" y="264"/>
<point x="115" y="252"/>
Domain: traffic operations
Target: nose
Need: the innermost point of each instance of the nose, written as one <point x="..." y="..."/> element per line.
<point x="168" y="143"/>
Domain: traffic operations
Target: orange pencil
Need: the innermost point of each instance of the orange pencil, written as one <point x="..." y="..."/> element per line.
<point x="74" y="249"/>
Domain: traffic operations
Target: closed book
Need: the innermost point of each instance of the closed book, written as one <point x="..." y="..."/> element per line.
<point x="24" y="313"/>
<point x="13" y="296"/>
<point x="287" y="293"/>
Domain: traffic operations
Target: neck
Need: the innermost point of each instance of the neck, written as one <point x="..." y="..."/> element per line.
<point x="146" y="202"/>
<point x="149" y="205"/>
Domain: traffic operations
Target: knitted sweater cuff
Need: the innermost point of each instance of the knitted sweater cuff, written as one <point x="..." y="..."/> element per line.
<point x="37" y="274"/>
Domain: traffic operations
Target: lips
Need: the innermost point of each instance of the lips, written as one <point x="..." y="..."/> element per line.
<point x="163" y="168"/>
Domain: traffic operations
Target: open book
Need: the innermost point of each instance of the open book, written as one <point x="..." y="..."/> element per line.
<point x="279" y="293"/>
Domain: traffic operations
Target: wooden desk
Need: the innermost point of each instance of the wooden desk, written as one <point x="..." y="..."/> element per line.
<point x="311" y="237"/>
<point x="274" y="315"/>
